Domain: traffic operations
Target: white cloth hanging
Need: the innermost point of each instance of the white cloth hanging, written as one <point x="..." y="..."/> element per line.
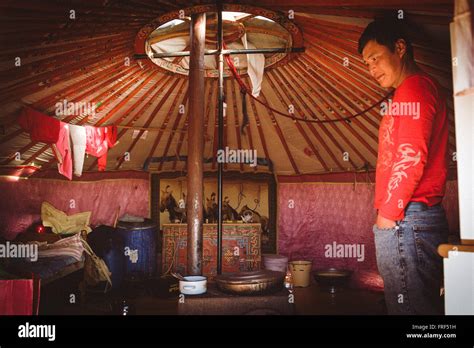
<point x="78" y="139"/>
<point x="255" y="67"/>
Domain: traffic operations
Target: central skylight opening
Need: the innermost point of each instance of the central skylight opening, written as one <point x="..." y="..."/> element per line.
<point x="242" y="30"/>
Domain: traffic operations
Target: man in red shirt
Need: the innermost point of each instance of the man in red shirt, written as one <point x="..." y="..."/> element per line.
<point x="411" y="173"/>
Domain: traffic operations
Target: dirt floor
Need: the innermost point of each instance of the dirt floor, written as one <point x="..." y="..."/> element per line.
<point x="64" y="298"/>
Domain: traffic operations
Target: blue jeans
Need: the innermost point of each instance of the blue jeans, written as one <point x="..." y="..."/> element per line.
<point x="409" y="263"/>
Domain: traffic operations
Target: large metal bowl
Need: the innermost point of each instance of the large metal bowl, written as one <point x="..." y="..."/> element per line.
<point x="251" y="283"/>
<point x="332" y="278"/>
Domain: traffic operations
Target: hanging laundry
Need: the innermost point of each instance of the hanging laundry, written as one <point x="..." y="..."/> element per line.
<point x="111" y="136"/>
<point x="98" y="142"/>
<point x="64" y="147"/>
<point x="255" y="67"/>
<point x="47" y="129"/>
<point x="79" y="141"/>
<point x="41" y="127"/>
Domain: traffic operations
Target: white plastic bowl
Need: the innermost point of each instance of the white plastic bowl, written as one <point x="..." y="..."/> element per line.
<point x="193" y="285"/>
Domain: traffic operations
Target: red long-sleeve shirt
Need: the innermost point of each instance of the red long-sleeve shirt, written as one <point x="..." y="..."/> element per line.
<point x="412" y="159"/>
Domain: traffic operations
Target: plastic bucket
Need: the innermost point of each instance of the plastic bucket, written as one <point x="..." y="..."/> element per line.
<point x="139" y="249"/>
<point x="301" y="272"/>
<point x="277" y="263"/>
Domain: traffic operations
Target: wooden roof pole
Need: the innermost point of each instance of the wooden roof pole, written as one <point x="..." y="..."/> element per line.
<point x="151" y="118"/>
<point x="84" y="118"/>
<point x="220" y="117"/>
<point x="54" y="62"/>
<point x="303" y="133"/>
<point x="46" y="147"/>
<point x="258" y="123"/>
<point x="50" y="100"/>
<point x="134" y="108"/>
<point x="194" y="206"/>
<point x="30" y="85"/>
<point x="178" y="117"/>
<point x="185" y="127"/>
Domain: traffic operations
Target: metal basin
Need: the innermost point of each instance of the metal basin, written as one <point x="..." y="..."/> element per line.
<point x="251" y="283"/>
<point x="332" y="278"/>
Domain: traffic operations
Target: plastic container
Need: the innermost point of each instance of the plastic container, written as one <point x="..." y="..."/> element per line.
<point x="274" y="262"/>
<point x="139" y="240"/>
<point x="301" y="271"/>
<point x="193" y="285"/>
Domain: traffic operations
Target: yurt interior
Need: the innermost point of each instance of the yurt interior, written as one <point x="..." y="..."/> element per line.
<point x="236" y="157"/>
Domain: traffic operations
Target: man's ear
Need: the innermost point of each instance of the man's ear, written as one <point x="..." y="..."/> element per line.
<point x="401" y="47"/>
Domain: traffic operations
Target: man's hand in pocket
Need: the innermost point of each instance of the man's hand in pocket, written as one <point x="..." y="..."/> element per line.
<point x="384" y="223"/>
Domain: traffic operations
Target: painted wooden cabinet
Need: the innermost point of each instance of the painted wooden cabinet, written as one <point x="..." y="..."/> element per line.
<point x="241" y="244"/>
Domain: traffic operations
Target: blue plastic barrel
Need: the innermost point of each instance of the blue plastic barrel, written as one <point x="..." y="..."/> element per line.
<point x="108" y="245"/>
<point x="139" y="248"/>
<point x="113" y="258"/>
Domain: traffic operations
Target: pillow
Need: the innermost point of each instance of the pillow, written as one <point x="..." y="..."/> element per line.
<point x="71" y="246"/>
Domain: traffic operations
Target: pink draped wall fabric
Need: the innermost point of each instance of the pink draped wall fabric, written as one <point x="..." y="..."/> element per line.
<point x="20" y="206"/>
<point x="322" y="213"/>
<point x="313" y="217"/>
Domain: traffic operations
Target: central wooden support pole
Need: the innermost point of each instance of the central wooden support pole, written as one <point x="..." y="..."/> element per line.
<point x="220" y="103"/>
<point x="194" y="206"/>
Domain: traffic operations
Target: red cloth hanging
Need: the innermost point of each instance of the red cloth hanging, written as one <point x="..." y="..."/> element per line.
<point x="19" y="296"/>
<point x="111" y="138"/>
<point x="99" y="140"/>
<point x="111" y="135"/>
<point x="41" y="127"/>
<point x="47" y="129"/>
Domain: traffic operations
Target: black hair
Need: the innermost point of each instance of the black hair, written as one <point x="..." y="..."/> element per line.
<point x="386" y="32"/>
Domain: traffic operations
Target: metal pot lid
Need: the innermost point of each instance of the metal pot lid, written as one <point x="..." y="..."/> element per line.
<point x="250" y="277"/>
<point x="333" y="272"/>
